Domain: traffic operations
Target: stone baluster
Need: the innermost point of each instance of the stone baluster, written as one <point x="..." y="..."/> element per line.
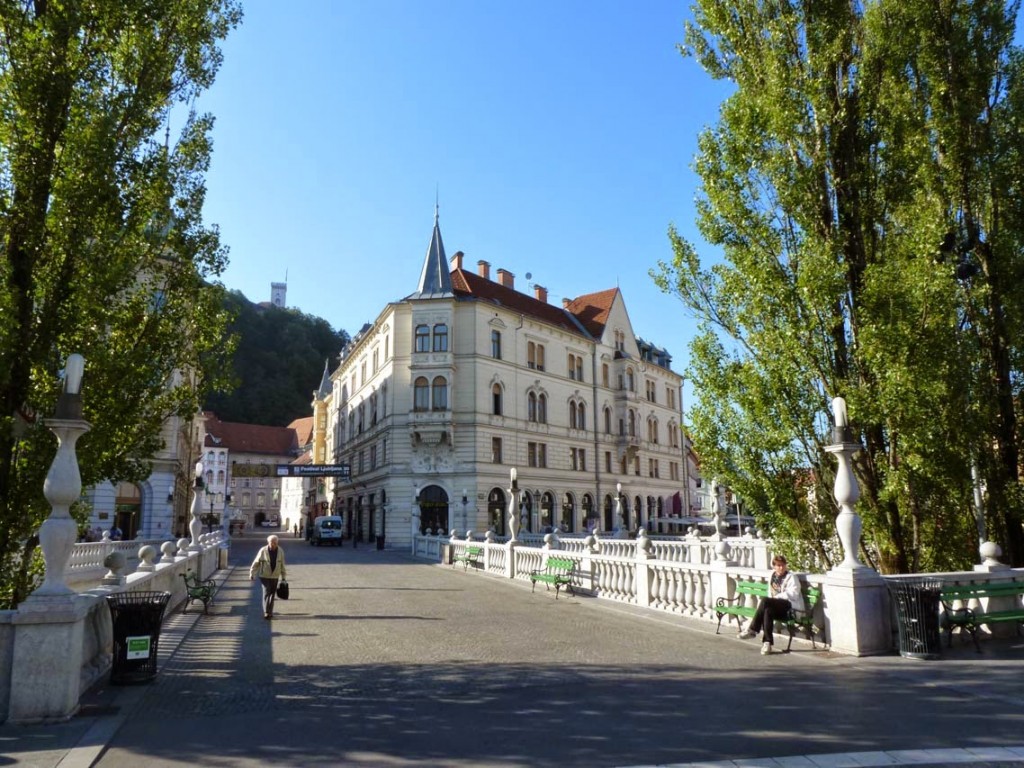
<point x="182" y="550"/>
<point x="147" y="554"/>
<point x="63" y="484"/>
<point x="169" y="548"/>
<point x="115" y="563"/>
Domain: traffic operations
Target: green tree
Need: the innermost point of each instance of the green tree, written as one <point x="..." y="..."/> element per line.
<point x="863" y="188"/>
<point x="279" y="362"/>
<point x="104" y="249"/>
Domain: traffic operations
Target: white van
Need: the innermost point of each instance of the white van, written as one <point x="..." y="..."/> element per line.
<point x="326" y="530"/>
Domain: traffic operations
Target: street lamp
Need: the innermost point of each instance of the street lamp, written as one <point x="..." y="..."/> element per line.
<point x="513" y="503"/>
<point x="195" y="527"/>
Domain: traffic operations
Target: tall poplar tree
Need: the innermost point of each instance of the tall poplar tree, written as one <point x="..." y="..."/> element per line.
<point x="104" y="249"/>
<point x="862" y="189"/>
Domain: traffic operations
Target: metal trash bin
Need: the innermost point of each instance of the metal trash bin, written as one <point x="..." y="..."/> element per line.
<point x="917" y="616"/>
<point x="136" y="619"/>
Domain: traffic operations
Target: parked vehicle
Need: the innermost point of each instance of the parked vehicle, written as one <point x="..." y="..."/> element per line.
<point x="326" y="530"/>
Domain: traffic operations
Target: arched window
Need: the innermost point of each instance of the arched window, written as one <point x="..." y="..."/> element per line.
<point x="421" y="394"/>
<point x="440" y="393"/>
<point x="422" y="338"/>
<point x="607" y="421"/>
<point x="531" y="407"/>
<point x="572" y="414"/>
<point x="581" y="416"/>
<point x="630" y="381"/>
<point x="440" y="337"/>
<point x="632" y="424"/>
<point x="542" y="409"/>
<point x="496" y="408"/>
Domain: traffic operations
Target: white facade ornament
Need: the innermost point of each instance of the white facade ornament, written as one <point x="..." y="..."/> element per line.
<point x="63" y="484"/>
<point x="846" y="490"/>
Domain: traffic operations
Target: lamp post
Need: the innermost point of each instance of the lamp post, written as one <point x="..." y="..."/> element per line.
<point x="195" y="526"/>
<point x="620" y="523"/>
<point x="63" y="484"/>
<point x="513" y="504"/>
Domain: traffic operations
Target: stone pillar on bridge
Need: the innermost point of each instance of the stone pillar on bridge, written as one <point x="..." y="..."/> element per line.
<point x="857" y="616"/>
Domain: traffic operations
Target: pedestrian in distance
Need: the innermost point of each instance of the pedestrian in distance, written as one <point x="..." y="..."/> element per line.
<point x="784" y="588"/>
<point x="115" y="533"/>
<point x="269" y="568"/>
<point x="295" y="531"/>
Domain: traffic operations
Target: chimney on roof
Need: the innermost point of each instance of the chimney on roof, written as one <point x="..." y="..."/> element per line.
<point x="457" y="260"/>
<point x="506" y="278"/>
<point x="566" y="302"/>
<point x="483" y="269"/>
<point x="540" y="293"/>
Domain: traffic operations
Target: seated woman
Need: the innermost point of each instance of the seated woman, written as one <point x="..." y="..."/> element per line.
<point x="784" y="588"/>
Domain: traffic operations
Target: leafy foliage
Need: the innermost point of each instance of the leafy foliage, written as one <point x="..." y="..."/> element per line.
<point x="279" y="362"/>
<point x="862" y="187"/>
<point x="104" y="249"/>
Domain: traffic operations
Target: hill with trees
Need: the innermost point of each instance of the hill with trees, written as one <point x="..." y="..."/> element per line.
<point x="278" y="363"/>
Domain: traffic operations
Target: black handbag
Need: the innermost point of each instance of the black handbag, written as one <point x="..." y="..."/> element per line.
<point x="282" y="589"/>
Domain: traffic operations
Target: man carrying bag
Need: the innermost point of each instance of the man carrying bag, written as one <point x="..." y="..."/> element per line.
<point x="269" y="568"/>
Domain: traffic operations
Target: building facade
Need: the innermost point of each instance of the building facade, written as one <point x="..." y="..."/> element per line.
<point x="451" y="388"/>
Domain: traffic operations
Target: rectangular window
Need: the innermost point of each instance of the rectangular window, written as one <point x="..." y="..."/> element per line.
<point x="604" y="374"/>
<point x="496" y="345"/>
<point x="362" y="372"/>
<point x="582" y="454"/>
<point x="376" y="360"/>
<point x="496" y="450"/>
<point x="383" y="451"/>
<point x="362" y="462"/>
<point x="245" y="499"/>
<point x="608" y="462"/>
<point x="261" y="499"/>
<point x="636" y="466"/>
<point x="373" y="457"/>
<point x="441" y="338"/>
<point x="537" y="454"/>
<point x="422" y="338"/>
<point x="573" y="459"/>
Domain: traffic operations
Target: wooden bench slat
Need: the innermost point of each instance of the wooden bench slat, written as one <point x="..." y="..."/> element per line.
<point x="726" y="606"/>
<point x="965" y="618"/>
<point x="558" y="571"/>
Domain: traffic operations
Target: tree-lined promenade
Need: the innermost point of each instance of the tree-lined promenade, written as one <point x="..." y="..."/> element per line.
<point x="863" y="186"/>
<point x="378" y="659"/>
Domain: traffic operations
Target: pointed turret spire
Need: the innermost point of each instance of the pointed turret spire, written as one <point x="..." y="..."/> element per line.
<point x="435" y="279"/>
<point x="325" y="383"/>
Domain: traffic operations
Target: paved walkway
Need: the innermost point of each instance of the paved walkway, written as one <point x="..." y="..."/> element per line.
<point x="379" y="660"/>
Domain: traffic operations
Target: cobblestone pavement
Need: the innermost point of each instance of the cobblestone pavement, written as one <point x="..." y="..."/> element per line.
<point x="379" y="660"/>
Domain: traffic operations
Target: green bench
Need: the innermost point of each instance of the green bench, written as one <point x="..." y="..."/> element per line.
<point x="469" y="556"/>
<point x="739" y="607"/>
<point x="557" y="571"/>
<point x="198" y="589"/>
<point x="968" y="619"/>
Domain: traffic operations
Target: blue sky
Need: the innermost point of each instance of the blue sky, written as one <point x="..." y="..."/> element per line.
<point x="558" y="136"/>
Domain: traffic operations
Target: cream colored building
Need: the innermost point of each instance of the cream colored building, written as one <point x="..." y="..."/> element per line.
<point x="466" y="378"/>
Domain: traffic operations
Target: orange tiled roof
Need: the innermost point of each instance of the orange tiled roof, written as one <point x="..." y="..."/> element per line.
<point x="467" y="283"/>
<point x="303" y="430"/>
<point x="592" y="310"/>
<point x="249" y="438"/>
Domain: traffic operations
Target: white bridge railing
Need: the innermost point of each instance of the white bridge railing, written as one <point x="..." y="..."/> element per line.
<point x="685" y="576"/>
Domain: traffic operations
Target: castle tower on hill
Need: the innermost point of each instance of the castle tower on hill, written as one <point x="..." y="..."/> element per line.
<point x="279" y="294"/>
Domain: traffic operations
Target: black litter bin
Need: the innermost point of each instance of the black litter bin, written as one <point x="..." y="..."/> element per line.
<point x="136" y="618"/>
<point x="380" y="542"/>
<point x="917" y="616"/>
